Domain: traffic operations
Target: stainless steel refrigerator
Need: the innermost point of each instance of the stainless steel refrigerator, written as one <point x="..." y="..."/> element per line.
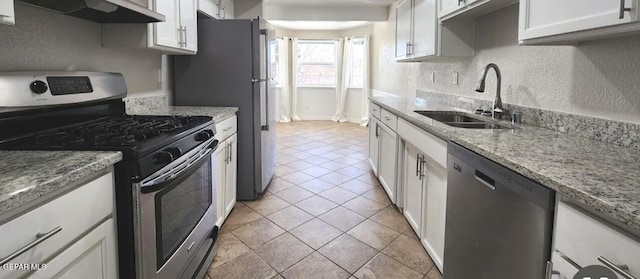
<point x="232" y="68"/>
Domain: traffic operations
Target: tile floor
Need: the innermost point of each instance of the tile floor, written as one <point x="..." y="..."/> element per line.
<point x="323" y="216"/>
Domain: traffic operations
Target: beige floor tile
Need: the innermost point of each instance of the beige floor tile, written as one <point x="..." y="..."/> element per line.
<point x="315" y="266"/>
<point x="331" y="155"/>
<point x="409" y="251"/>
<point x="297" y="177"/>
<point x="247" y="266"/>
<point x="357" y="186"/>
<point x="316" y="185"/>
<point x="382" y="266"/>
<point x="316" y="160"/>
<point x="294" y="194"/>
<point x="348" y="160"/>
<point x="364" y="206"/>
<point x="300" y="155"/>
<point x="282" y="170"/>
<point x="316" y="171"/>
<point x="267" y="204"/>
<point x="378" y="195"/>
<point x="369" y="177"/>
<point x="277" y="277"/>
<point x="289" y="217"/>
<point x="335" y="178"/>
<point x="352" y="171"/>
<point x="411" y="234"/>
<point x="338" y="195"/>
<point x="348" y="252"/>
<point x="434" y="273"/>
<point x="299" y="165"/>
<point x="316" y="205"/>
<point x="363" y="165"/>
<point x="316" y="233"/>
<point x="342" y="218"/>
<point x="359" y="155"/>
<point x="392" y="218"/>
<point x="229" y="248"/>
<point x="257" y="232"/>
<point x="283" y="251"/>
<point x="239" y="216"/>
<point x="332" y="165"/>
<point x="374" y="234"/>
<point x="278" y="184"/>
<point x="285" y="159"/>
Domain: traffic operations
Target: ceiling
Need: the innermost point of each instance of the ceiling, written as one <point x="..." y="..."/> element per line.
<point x="331" y="2"/>
<point x="317" y="25"/>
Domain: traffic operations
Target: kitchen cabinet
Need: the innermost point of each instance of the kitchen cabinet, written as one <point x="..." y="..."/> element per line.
<point x="581" y="239"/>
<point x="548" y="21"/>
<point x="218" y="9"/>
<point x="76" y="233"/>
<point x="178" y="34"/>
<point x="450" y="9"/>
<point x="419" y="34"/>
<point x="374" y="135"/>
<point x="424" y="184"/>
<point x="7" y="12"/>
<point x="226" y="167"/>
<point x="387" y="154"/>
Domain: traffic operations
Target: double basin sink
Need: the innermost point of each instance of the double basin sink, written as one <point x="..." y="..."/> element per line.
<point x="460" y="120"/>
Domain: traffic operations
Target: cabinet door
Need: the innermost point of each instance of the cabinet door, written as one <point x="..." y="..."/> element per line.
<point x="231" y="175"/>
<point x="220" y="164"/>
<point x="425" y="28"/>
<point x="167" y="33"/>
<point x="435" y="207"/>
<point x="540" y="18"/>
<point x="413" y="190"/>
<point x="189" y="24"/>
<point x="403" y="28"/>
<point x="227" y="9"/>
<point x="209" y="7"/>
<point x="92" y="256"/>
<point x="387" y="161"/>
<point x="7" y="14"/>
<point x="446" y="7"/>
<point x="373" y="144"/>
<point x="562" y="268"/>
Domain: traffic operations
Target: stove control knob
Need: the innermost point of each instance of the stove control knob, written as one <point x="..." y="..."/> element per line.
<point x="164" y="157"/>
<point x="174" y="151"/>
<point x="38" y="87"/>
<point x="203" y="136"/>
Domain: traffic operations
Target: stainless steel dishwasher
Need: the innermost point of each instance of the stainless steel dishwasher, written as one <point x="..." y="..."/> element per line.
<point x="498" y="222"/>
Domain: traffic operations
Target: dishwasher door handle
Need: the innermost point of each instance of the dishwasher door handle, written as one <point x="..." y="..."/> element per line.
<point x="485" y="180"/>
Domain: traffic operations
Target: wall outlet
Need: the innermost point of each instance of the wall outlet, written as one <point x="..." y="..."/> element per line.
<point x="455" y="78"/>
<point x="433" y="77"/>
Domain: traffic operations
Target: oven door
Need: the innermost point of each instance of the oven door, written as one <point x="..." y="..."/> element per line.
<point x="175" y="214"/>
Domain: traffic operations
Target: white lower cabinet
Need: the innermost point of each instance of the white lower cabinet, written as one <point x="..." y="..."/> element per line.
<point x="373" y="143"/>
<point x="76" y="232"/>
<point x="413" y="187"/>
<point x="226" y="168"/>
<point x="387" y="167"/>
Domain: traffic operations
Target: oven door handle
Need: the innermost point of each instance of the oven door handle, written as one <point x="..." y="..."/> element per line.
<point x="184" y="170"/>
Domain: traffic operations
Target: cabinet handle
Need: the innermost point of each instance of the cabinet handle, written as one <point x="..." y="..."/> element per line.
<point x="417" y="164"/>
<point x="230" y="149"/>
<point x="422" y="162"/>
<point x="620" y="269"/>
<point x="184" y="29"/>
<point x="387" y="118"/>
<point x="39" y="238"/>
<point x="460" y="2"/>
<point x="377" y="132"/>
<point x="623" y="9"/>
<point x="180" y="36"/>
<point x="224" y="13"/>
<point x="227" y="129"/>
<point x="219" y="8"/>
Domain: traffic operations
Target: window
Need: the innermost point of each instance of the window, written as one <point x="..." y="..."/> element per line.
<point x="357" y="64"/>
<point x="316" y="63"/>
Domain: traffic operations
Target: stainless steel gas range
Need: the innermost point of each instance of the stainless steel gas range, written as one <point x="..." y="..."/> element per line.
<point x="165" y="197"/>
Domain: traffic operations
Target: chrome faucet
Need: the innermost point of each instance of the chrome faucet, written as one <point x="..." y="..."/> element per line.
<point x="497" y="103"/>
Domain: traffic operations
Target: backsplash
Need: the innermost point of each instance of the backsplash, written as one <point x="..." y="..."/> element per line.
<point x="616" y="132"/>
<point x="146" y="103"/>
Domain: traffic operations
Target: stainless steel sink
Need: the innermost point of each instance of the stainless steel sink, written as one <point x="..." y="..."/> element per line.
<point x="459" y="120"/>
<point x="448" y="116"/>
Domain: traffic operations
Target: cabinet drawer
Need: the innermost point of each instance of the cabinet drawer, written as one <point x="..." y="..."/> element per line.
<point x="374" y="110"/>
<point x="583" y="239"/>
<point x="432" y="146"/>
<point x="226" y="128"/>
<point x="74" y="212"/>
<point x="389" y="119"/>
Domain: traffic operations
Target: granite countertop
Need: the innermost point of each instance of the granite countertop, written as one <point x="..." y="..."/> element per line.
<point x="28" y="176"/>
<point x="218" y="113"/>
<point x="599" y="175"/>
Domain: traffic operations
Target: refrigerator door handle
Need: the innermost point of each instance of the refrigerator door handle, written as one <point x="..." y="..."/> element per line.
<point x="259" y="79"/>
<point x="263" y="32"/>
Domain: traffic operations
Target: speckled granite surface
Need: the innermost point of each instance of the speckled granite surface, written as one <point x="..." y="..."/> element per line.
<point x="135" y="103"/>
<point x="218" y="113"/>
<point x="600" y="175"/>
<point x="26" y="176"/>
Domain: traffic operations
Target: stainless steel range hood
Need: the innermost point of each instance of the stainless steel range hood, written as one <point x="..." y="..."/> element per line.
<point x="102" y="11"/>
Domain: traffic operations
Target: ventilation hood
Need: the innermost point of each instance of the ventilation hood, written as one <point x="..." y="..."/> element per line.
<point x="102" y="11"/>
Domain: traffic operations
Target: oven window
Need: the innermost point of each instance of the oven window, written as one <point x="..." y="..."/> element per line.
<point x="179" y="208"/>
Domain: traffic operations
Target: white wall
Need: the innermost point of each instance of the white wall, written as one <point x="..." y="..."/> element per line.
<point x="320" y="103"/>
<point x="595" y="78"/>
<point x="43" y="40"/>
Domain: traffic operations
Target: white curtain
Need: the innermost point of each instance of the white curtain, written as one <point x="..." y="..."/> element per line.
<point x="284" y="96"/>
<point x="343" y="65"/>
<point x="366" y="90"/>
<point x="294" y="80"/>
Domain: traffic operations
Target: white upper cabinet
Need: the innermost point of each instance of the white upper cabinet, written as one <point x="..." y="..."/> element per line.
<point x="189" y="23"/>
<point x="227" y="9"/>
<point x="167" y="33"/>
<point x="545" y="21"/>
<point x="449" y="9"/>
<point x="419" y="34"/>
<point x="218" y="9"/>
<point x="7" y="12"/>
<point x="446" y="7"/>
